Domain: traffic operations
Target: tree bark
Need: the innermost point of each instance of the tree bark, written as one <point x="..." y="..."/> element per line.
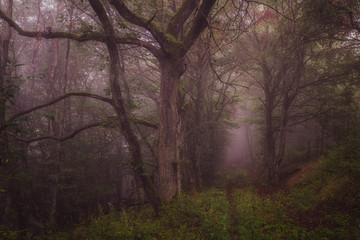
<point x="170" y="146"/>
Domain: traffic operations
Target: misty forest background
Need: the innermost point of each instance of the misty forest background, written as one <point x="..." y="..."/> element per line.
<point x="172" y="119"/>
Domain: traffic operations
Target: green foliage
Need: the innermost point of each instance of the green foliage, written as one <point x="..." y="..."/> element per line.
<point x="7" y="93"/>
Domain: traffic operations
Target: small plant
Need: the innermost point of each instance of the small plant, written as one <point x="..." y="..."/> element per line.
<point x="7" y="234"/>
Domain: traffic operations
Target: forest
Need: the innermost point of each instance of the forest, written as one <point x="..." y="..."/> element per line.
<point x="180" y="119"/>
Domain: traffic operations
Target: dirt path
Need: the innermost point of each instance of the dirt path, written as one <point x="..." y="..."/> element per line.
<point x="252" y="180"/>
<point x="230" y="187"/>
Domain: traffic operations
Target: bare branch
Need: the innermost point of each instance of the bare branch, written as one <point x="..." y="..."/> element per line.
<point x="77" y="131"/>
<point x="144" y="122"/>
<point x="180" y="17"/>
<point x="60" y="139"/>
<point x="80" y="37"/>
<point x="140" y="21"/>
<point x="199" y="24"/>
<point x="232" y="84"/>
<point x="271" y="7"/>
<point x="152" y="18"/>
<point x="135" y="41"/>
<point x="66" y="95"/>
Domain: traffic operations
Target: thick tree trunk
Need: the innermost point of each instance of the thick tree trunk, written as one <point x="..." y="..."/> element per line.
<point x="170" y="146"/>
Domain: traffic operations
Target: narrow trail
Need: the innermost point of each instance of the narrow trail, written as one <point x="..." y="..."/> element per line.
<point x="251" y="180"/>
<point x="232" y="207"/>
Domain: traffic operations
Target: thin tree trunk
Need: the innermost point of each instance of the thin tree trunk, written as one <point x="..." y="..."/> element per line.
<point x="290" y="92"/>
<point x="195" y="161"/>
<point x="4" y="56"/>
<point x="249" y="141"/>
<point x="57" y="129"/>
<point x="118" y="175"/>
<point x="119" y="107"/>
<point x="60" y="125"/>
<point x="282" y="137"/>
<point x="7" y="208"/>
<point x="202" y="70"/>
<point x="269" y="151"/>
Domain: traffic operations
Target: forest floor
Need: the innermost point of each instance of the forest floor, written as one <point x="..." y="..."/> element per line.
<point x="319" y="201"/>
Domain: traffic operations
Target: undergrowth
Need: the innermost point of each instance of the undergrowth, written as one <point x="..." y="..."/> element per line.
<point x="202" y="217"/>
<point x="323" y="204"/>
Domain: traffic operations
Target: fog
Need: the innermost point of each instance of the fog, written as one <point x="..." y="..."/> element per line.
<point x="237" y="151"/>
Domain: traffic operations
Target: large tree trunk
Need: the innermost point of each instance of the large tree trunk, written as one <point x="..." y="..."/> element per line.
<point x="170" y="130"/>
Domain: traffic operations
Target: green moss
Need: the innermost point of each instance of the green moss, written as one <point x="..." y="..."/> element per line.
<point x="173" y="46"/>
